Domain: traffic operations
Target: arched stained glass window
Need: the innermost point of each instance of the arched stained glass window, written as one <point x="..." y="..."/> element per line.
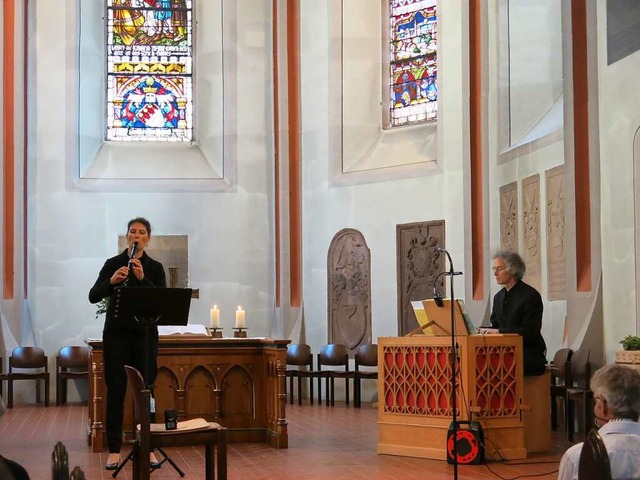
<point x="149" y="70"/>
<point x="413" y="66"/>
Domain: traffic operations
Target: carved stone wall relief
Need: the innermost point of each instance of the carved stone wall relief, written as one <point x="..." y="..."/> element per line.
<point x="418" y="263"/>
<point x="556" y="260"/>
<point x="532" y="248"/>
<point x="349" y="289"/>
<point x="173" y="252"/>
<point x="509" y="217"/>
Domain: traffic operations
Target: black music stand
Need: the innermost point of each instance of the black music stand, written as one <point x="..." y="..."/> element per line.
<point x="150" y="307"/>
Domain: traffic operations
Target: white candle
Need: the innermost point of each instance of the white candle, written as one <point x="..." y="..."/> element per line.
<point x="240" y="317"/>
<point x="214" y="314"/>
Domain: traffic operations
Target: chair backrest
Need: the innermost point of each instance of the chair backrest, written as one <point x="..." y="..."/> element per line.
<point x="561" y="366"/>
<point x="580" y="368"/>
<point x="27" y="357"/>
<point x="299" y="354"/>
<point x="141" y="400"/>
<point x="74" y="356"/>
<point x="594" y="459"/>
<point x="333" y="354"/>
<point x="367" y="355"/>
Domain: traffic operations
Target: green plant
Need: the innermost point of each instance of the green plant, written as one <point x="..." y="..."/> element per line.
<point x="102" y="306"/>
<point x="631" y="342"/>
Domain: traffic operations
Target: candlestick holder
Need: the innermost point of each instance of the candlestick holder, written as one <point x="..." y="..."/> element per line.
<point x="240" y="332"/>
<point x="215" y="332"/>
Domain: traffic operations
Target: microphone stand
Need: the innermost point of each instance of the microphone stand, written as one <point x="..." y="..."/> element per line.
<point x="454" y="355"/>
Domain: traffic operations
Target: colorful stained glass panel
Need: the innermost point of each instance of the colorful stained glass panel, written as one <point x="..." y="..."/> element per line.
<point x="413" y="66"/>
<point x="149" y="70"/>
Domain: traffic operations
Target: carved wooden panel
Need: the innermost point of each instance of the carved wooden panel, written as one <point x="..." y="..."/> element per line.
<point x="532" y="248"/>
<point x="418" y="263"/>
<point x="173" y="252"/>
<point x="509" y="217"/>
<point x="349" y="289"/>
<point x="556" y="259"/>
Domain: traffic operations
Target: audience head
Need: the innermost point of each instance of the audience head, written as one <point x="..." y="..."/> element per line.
<point x="616" y="391"/>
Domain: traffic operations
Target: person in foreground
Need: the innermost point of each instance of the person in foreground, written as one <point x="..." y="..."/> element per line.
<point x="616" y="391"/>
<point x="517" y="308"/>
<point x="123" y="340"/>
<point x="10" y="470"/>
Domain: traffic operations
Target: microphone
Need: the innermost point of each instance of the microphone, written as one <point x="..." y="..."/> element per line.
<point x="437" y="298"/>
<point x="134" y="249"/>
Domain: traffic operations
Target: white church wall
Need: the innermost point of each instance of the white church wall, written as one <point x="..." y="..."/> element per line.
<point x="530" y="105"/>
<point x="619" y="105"/>
<point x="372" y="207"/>
<point x="72" y="232"/>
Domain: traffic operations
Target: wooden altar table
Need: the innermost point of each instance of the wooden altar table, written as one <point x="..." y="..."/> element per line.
<point x="237" y="382"/>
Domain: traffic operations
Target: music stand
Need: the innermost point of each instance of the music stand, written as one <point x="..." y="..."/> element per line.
<point x="150" y="307"/>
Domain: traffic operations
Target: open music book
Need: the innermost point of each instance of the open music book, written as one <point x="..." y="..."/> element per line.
<point x="188" y="329"/>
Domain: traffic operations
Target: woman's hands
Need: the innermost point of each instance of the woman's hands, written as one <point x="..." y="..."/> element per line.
<point x="122" y="273"/>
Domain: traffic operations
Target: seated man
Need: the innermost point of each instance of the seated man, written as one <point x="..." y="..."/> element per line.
<point x="616" y="391"/>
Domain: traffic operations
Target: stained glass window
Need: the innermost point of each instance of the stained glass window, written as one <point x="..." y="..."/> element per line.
<point x="149" y="70"/>
<point x="413" y="66"/>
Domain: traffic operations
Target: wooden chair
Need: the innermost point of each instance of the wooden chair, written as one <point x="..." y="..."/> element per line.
<point x="594" y="460"/>
<point x="560" y="380"/>
<point x="29" y="358"/>
<point x="299" y="355"/>
<point x="366" y="356"/>
<point x="333" y="355"/>
<point x="72" y="363"/>
<point x="154" y="436"/>
<point x="579" y="391"/>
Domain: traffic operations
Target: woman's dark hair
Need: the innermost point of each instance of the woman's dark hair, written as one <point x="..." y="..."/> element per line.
<point x="141" y="220"/>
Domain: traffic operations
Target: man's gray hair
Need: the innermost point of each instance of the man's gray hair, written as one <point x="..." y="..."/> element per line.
<point x="514" y="263"/>
<point x="620" y="387"/>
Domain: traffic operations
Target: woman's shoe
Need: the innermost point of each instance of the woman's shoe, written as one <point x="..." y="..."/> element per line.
<point x="153" y="461"/>
<point x="113" y="461"/>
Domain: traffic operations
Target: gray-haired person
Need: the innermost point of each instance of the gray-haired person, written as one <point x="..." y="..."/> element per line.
<point x="616" y="407"/>
<point x="517" y="308"/>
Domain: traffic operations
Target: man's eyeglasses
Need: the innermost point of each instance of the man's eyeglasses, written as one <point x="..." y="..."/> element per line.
<point x="497" y="269"/>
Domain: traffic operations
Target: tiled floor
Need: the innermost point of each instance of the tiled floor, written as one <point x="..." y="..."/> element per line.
<point x="324" y="443"/>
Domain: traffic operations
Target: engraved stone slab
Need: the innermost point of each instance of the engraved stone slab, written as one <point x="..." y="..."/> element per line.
<point x="532" y="248"/>
<point x="418" y="263"/>
<point x="349" y="289"/>
<point x="556" y="260"/>
<point x="509" y="217"/>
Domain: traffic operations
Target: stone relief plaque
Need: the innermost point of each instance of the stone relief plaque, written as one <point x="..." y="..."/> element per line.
<point x="509" y="217"/>
<point x="556" y="272"/>
<point x="170" y="250"/>
<point x="349" y="289"/>
<point x="418" y="263"/>
<point x="532" y="248"/>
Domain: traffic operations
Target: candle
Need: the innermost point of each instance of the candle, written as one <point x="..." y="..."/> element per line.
<point x="240" y="317"/>
<point x="214" y="314"/>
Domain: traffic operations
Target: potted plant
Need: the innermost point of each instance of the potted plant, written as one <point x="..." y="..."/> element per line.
<point x="630" y="354"/>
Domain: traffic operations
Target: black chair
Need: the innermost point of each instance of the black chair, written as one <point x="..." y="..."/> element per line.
<point x="72" y="363"/>
<point x="300" y="357"/>
<point x="579" y="392"/>
<point x="333" y="355"/>
<point x="29" y="358"/>
<point x="560" y="379"/>
<point x="150" y="436"/>
<point x="594" y="460"/>
<point x="60" y="465"/>
<point x="366" y="356"/>
<point x="3" y="377"/>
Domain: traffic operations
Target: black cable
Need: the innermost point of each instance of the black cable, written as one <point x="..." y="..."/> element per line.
<point x="521" y="476"/>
